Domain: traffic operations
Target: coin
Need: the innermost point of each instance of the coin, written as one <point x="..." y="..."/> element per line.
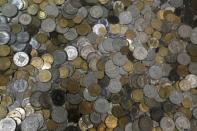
<point x="7" y="124"/>
<point x="111" y="121"/>
<point x="4" y="63"/>
<point x="44" y="76"/>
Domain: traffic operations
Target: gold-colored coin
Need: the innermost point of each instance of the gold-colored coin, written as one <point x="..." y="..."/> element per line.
<point x="103" y="1"/>
<point x="140" y="5"/>
<point x="77" y="19"/>
<point x="157" y="35"/>
<point x="94" y="89"/>
<point x="137" y="95"/>
<point x="153" y="42"/>
<point x="102" y="31"/>
<point x="111" y="121"/>
<point x="37" y="1"/>
<point x="123" y="121"/>
<point x="4" y="50"/>
<point x="2" y="2"/>
<point x="42" y="15"/>
<point x="187" y="102"/>
<point x="83" y="28"/>
<point x="7" y="100"/>
<point x="159" y="59"/>
<point x="48" y="58"/>
<point x="164" y="92"/>
<point x="85" y="107"/>
<point x="115" y="28"/>
<point x="3" y="111"/>
<point x="4" y="79"/>
<point x="46" y="114"/>
<point x="84" y="66"/>
<point x="4" y="63"/>
<point x="64" y="72"/>
<point x="25" y="4"/>
<point x="16" y="28"/>
<point x="185" y="85"/>
<point x="163" y="51"/>
<point x="34" y="53"/>
<point x="99" y="74"/>
<point x="186" y="111"/>
<point x="41" y="37"/>
<point x="149" y="30"/>
<point x="51" y="125"/>
<point x="143" y="107"/>
<point x="77" y="62"/>
<point x="46" y="66"/>
<point x="160" y="14"/>
<point x="44" y="75"/>
<point x="156" y="24"/>
<point x="182" y="70"/>
<point x="59" y="2"/>
<point x="128" y="67"/>
<point x="101" y="127"/>
<point x="37" y="62"/>
<point x="21" y="74"/>
<point x="62" y="22"/>
<point x="33" y="9"/>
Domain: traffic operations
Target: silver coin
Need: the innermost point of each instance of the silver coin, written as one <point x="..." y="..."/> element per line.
<point x="18" y="3"/>
<point x="20" y="85"/>
<point x="25" y="19"/>
<point x="86" y="50"/>
<point x="23" y="37"/>
<point x="74" y="98"/>
<point x="21" y="59"/>
<point x="192" y="79"/>
<point x="95" y="117"/>
<point x="4" y="37"/>
<point x="5" y="27"/>
<point x="192" y="68"/>
<point x="34" y="43"/>
<point x="176" y="97"/>
<point x="119" y="59"/>
<point x="82" y="12"/>
<point x="59" y="57"/>
<point x="96" y="29"/>
<point x="133" y="9"/>
<point x="107" y="45"/>
<point x="9" y="10"/>
<point x="30" y="124"/>
<point x="125" y="17"/>
<point x="101" y="105"/>
<point x="193" y="36"/>
<point x="96" y="11"/>
<point x="184" y="31"/>
<point x="71" y="34"/>
<point x="3" y="19"/>
<point x="48" y="25"/>
<point x="87" y="95"/>
<point x="7" y="124"/>
<point x="22" y="112"/>
<point x="175" y="47"/>
<point x="182" y="123"/>
<point x="114" y="86"/>
<point x="155" y="72"/>
<point x="111" y="70"/>
<point x="39" y="117"/>
<point x="176" y="3"/>
<point x="34" y="99"/>
<point x="150" y="91"/>
<point x="140" y="53"/>
<point x="183" y="58"/>
<point x="51" y="10"/>
<point x="59" y="114"/>
<point x="167" y="124"/>
<point x="71" y="52"/>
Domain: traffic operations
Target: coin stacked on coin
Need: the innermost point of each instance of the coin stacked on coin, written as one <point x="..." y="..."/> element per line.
<point x="98" y="65"/>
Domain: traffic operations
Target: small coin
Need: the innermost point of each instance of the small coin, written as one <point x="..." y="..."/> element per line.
<point x="111" y="121"/>
<point x="44" y="76"/>
<point x="59" y="114"/>
<point x="48" y="25"/>
<point x="21" y="59"/>
<point x="37" y="62"/>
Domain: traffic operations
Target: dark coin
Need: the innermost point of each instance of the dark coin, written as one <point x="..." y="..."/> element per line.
<point x="113" y="19"/>
<point x="145" y="123"/>
<point x="72" y="128"/>
<point x="73" y="115"/>
<point x="58" y="97"/>
<point x="156" y="113"/>
<point x="173" y="76"/>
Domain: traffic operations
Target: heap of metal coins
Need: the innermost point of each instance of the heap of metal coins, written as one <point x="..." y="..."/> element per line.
<point x="98" y="65"/>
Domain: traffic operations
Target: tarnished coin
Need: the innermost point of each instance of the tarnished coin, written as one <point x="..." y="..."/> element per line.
<point x="167" y="124"/>
<point x="48" y="25"/>
<point x="9" y="10"/>
<point x="4" y="63"/>
<point x="101" y="105"/>
<point x="140" y="53"/>
<point x="59" y="114"/>
<point x="44" y="76"/>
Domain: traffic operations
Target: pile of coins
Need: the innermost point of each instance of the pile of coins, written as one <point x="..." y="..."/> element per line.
<point x="98" y="65"/>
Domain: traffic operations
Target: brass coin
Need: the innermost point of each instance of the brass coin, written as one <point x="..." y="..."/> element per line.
<point x="77" y="19"/>
<point x="7" y="100"/>
<point x="4" y="63"/>
<point x="59" y="2"/>
<point x="41" y="37"/>
<point x="34" y="53"/>
<point x="4" y="50"/>
<point x="73" y="86"/>
<point x="143" y="107"/>
<point x="94" y="89"/>
<point x="115" y="28"/>
<point x="2" y="2"/>
<point x="111" y="121"/>
<point x="99" y="74"/>
<point x="149" y="30"/>
<point x="101" y="127"/>
<point x="182" y="70"/>
<point x="164" y="92"/>
<point x="128" y="67"/>
<point x="51" y="125"/>
<point x="42" y="15"/>
<point x="157" y="35"/>
<point x="3" y="111"/>
<point x="62" y="22"/>
<point x="156" y="24"/>
<point x="184" y="85"/>
<point x="187" y="103"/>
<point x="37" y="1"/>
<point x="21" y="74"/>
<point x="163" y="51"/>
<point x="16" y="28"/>
<point x="64" y="72"/>
<point x="44" y="76"/>
<point x="122" y="121"/>
<point x="137" y="95"/>
<point x="85" y="107"/>
<point x="48" y="58"/>
<point x="37" y="62"/>
<point x="130" y="34"/>
<point x="83" y="28"/>
<point x="4" y="79"/>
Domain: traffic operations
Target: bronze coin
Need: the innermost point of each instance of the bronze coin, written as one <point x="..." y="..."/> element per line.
<point x="85" y="107"/>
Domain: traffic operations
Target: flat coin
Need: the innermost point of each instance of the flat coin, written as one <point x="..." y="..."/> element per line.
<point x="4" y="63"/>
<point x="44" y="76"/>
<point x="71" y="52"/>
<point x="7" y="124"/>
<point x="111" y="121"/>
<point x="9" y="10"/>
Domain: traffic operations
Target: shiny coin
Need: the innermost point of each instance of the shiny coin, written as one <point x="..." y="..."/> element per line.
<point x="7" y="124"/>
<point x="21" y="59"/>
<point x="111" y="121"/>
<point x="71" y="52"/>
<point x="4" y="37"/>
